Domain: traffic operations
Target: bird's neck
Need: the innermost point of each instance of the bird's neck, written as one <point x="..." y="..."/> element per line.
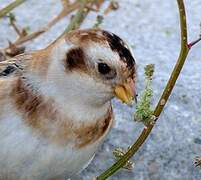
<point x="78" y="109"/>
<point x="58" y="121"/>
<point x="70" y="105"/>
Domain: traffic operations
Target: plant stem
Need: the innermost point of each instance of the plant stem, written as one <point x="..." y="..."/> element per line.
<point x="190" y="45"/>
<point x="180" y="62"/>
<point x="80" y="16"/>
<point x="10" y="7"/>
<point x="162" y="102"/>
<point x="66" y="10"/>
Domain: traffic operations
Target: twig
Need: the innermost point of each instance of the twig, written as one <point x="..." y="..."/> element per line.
<point x="10" y="7"/>
<point x="162" y="102"/>
<point x="65" y="11"/>
<point x="113" y="6"/>
<point x="17" y="30"/>
<point x="65" y="2"/>
<point x="190" y="45"/>
<point x="29" y="37"/>
<point x="80" y="16"/>
<point x="99" y="20"/>
<point x="67" y="8"/>
<point x="12" y="20"/>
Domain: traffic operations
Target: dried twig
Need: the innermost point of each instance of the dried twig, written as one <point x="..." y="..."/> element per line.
<point x="20" y="33"/>
<point x="14" y="50"/>
<point x="67" y="9"/>
<point x="84" y="6"/>
<point x="114" y="5"/>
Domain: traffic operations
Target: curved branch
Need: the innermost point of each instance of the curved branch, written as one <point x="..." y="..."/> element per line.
<point x="162" y="102"/>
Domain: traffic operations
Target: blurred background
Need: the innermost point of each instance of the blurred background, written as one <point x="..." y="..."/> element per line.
<point x="152" y="30"/>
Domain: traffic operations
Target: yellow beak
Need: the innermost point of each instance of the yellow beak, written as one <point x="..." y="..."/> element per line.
<point x="126" y="92"/>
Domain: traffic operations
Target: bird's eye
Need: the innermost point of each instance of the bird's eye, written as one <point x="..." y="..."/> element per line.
<point x="103" y="68"/>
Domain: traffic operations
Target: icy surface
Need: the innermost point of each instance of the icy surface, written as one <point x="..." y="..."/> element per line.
<point x="152" y="29"/>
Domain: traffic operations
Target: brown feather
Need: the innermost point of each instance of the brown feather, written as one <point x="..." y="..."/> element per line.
<point x="75" y="60"/>
<point x="42" y="116"/>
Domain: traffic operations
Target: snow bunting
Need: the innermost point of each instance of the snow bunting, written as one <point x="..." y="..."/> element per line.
<point x="55" y="103"/>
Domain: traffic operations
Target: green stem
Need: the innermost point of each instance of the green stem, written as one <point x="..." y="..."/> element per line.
<point x="10" y="7"/>
<point x="80" y="16"/>
<point x="162" y="102"/>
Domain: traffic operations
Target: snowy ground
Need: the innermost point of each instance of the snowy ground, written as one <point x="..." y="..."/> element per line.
<point x="152" y="29"/>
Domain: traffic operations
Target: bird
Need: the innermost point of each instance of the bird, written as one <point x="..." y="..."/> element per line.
<point x="55" y="103"/>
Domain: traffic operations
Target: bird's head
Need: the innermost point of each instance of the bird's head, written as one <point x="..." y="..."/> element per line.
<point x="92" y="66"/>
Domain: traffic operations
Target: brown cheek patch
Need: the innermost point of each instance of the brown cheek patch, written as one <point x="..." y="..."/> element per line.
<point x="75" y="60"/>
<point x="41" y="115"/>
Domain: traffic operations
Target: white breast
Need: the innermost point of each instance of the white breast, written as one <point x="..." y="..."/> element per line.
<point x="25" y="155"/>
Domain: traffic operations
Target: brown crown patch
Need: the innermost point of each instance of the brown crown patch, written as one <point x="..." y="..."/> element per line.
<point x="85" y="36"/>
